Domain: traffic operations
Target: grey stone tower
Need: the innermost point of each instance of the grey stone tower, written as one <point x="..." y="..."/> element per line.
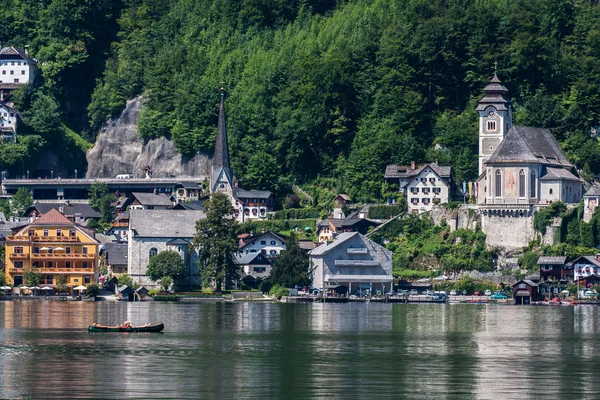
<point x="221" y="174"/>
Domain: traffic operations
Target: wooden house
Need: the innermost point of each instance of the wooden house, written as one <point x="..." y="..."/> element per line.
<point x="525" y="291"/>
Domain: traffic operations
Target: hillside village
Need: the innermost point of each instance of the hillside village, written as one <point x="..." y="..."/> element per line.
<point x="522" y="173"/>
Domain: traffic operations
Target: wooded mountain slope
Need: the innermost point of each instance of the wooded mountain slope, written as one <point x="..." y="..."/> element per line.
<point x="330" y="89"/>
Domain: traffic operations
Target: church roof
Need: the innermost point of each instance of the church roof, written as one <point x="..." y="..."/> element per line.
<point x="496" y="95"/>
<point x="220" y="161"/>
<point x="594" y="190"/>
<point x="529" y="145"/>
<point x="553" y="174"/>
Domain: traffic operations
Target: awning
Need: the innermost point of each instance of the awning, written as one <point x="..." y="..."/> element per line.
<point x="522" y="293"/>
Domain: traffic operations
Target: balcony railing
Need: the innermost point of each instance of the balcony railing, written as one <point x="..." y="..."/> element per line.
<point x="356" y="263"/>
<point x="55" y="256"/>
<point x="43" y="238"/>
<point x="18" y="255"/>
<point x="89" y="270"/>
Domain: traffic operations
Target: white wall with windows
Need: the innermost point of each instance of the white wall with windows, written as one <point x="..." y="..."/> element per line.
<point x="425" y="190"/>
<point x="16" y="70"/>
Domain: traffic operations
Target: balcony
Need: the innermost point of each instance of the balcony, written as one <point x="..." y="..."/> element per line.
<point x="18" y="255"/>
<point x="57" y="256"/>
<point x="53" y="270"/>
<point x="60" y="239"/>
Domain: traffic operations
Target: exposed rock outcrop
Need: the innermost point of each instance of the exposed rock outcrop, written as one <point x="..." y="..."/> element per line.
<point x="119" y="150"/>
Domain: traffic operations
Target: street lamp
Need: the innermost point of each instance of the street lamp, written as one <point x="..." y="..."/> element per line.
<point x="75" y="174"/>
<point x="27" y="174"/>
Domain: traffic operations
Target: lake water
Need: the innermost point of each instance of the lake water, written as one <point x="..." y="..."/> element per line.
<point x="270" y="351"/>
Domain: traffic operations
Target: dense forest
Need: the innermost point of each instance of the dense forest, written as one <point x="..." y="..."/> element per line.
<point x="318" y="91"/>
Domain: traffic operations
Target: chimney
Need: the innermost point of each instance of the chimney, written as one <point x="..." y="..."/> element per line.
<point x="436" y="163"/>
<point x="235" y="184"/>
<point x="598" y="257"/>
<point x="412" y="165"/>
<point x="1" y="95"/>
<point x="27" y="50"/>
<point x="155" y="191"/>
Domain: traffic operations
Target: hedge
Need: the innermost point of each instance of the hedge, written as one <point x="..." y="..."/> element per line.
<point x="278" y="225"/>
<point x="385" y="211"/>
<point x="297" y="213"/>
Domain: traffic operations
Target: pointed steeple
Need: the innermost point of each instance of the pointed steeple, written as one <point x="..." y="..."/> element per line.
<point x="221" y="171"/>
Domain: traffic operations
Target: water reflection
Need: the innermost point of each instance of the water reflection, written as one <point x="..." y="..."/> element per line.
<point x="246" y="350"/>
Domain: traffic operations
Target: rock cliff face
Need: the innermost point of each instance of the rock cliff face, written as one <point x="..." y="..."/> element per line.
<point x="119" y="150"/>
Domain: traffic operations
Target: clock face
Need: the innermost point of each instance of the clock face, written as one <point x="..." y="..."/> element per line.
<point x="492" y="113"/>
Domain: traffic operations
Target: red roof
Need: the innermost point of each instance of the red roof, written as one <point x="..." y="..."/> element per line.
<point x="52" y="217"/>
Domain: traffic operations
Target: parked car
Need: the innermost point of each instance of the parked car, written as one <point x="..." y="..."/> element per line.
<point x="477" y="294"/>
<point x="413" y="292"/>
<point x="589" y="293"/>
<point x="488" y="292"/>
<point x="499" y="296"/>
<point x="453" y="293"/>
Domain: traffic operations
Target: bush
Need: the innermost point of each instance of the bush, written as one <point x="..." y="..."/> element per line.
<point x="279" y="291"/>
<point x="92" y="290"/>
<point x="297" y="213"/>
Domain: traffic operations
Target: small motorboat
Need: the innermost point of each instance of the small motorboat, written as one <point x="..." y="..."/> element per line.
<point x="126" y="328"/>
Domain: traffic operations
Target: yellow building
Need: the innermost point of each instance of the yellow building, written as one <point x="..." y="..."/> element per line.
<point x="54" y="246"/>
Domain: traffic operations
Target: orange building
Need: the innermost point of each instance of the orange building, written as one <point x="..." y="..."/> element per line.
<point x="54" y="246"/>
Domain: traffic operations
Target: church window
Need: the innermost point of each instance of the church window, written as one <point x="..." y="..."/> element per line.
<point x="521" y="183"/>
<point x="533" y="184"/>
<point x="491" y="125"/>
<point x="550" y="191"/>
<point x="498" y="183"/>
<point x="153" y="251"/>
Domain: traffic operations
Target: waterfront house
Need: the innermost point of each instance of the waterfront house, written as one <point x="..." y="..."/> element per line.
<point x="525" y="291"/>
<point x="255" y="264"/>
<point x="125" y="293"/>
<point x="142" y="293"/>
<point x="53" y="245"/>
<point x="585" y="266"/>
<point x="150" y="201"/>
<point x="153" y="231"/>
<point x="552" y="268"/>
<point x="116" y="258"/>
<point x="270" y="244"/>
<point x="352" y="260"/>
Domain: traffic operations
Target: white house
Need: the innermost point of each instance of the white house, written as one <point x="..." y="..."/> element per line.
<point x="9" y="120"/>
<point x="268" y="243"/>
<point x="153" y="231"/>
<point x="16" y="67"/>
<point x="354" y="261"/>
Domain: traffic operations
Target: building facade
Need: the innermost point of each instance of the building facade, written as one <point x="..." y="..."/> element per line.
<point x="354" y="261"/>
<point x="591" y="200"/>
<point x="153" y="231"/>
<point x="53" y="246"/>
<point x="16" y="68"/>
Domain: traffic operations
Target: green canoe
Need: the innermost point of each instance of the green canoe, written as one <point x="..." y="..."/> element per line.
<point x="143" y="328"/>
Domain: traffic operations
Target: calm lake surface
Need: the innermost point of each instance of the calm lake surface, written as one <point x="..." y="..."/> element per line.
<point x="270" y="351"/>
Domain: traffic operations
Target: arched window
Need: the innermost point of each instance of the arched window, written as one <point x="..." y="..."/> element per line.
<point x="550" y="192"/>
<point x="521" y="183"/>
<point x="153" y="252"/>
<point x="491" y="125"/>
<point x="533" y="184"/>
<point x="498" y="183"/>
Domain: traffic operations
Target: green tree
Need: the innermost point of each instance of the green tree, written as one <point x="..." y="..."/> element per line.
<point x="125" y="280"/>
<point x="216" y="242"/>
<point x="31" y="277"/>
<point x="291" y="268"/>
<point x="166" y="264"/>
<point x="97" y="191"/>
<point x="20" y="202"/>
<point x="92" y="290"/>
<point x="165" y="282"/>
<point x="61" y="283"/>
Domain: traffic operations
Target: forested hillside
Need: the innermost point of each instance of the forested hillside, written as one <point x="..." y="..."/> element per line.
<point x="333" y="90"/>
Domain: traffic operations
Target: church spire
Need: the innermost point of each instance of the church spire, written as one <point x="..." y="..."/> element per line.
<point x="221" y="173"/>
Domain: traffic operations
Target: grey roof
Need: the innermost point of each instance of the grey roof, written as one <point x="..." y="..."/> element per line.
<point x="594" y="190"/>
<point x="165" y="223"/>
<point x="220" y="161"/>
<point x="13" y="51"/>
<point x="530" y="145"/>
<point x="125" y="288"/>
<point x="247" y="258"/>
<point x="190" y="205"/>
<point x="336" y="222"/>
<point x="190" y="185"/>
<point x="586" y="260"/>
<point x="306" y="244"/>
<point x="252" y="194"/>
<point x="105" y="239"/>
<point x="251" y="239"/>
<point x="152" y="199"/>
<point x="404" y="171"/>
<point x="341" y="238"/>
<point x="496" y="95"/>
<point x="527" y="281"/>
<point x="116" y="253"/>
<point x="553" y="174"/>
<point x="179" y="242"/>
<point x="557" y="260"/>
<point x="68" y="209"/>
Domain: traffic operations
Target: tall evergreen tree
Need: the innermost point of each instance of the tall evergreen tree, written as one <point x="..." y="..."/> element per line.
<point x="291" y="268"/>
<point x="216" y="242"/>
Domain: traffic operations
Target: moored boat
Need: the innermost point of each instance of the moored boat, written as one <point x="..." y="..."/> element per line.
<point x="126" y="328"/>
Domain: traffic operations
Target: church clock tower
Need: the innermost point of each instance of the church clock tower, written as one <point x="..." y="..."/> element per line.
<point x="495" y="119"/>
